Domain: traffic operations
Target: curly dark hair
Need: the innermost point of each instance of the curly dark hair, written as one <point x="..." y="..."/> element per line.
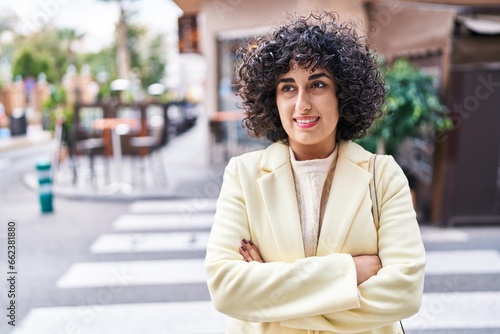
<point x="316" y="41"/>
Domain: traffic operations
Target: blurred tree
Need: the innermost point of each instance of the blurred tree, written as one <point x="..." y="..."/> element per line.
<point x="135" y="34"/>
<point x="49" y="48"/>
<point x="122" y="54"/>
<point x="30" y="63"/>
<point x="146" y="54"/>
<point x="67" y="38"/>
<point x="153" y="69"/>
<point x="102" y="65"/>
<point x="55" y="110"/>
<point x="412" y="106"/>
<point x="129" y="51"/>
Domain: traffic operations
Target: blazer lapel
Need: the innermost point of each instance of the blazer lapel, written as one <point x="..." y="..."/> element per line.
<point x="348" y="190"/>
<point x="280" y="201"/>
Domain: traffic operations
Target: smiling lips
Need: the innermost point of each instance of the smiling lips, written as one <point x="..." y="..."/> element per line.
<point x="306" y="122"/>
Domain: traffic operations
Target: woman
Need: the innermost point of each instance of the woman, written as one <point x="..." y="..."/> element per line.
<point x="311" y="258"/>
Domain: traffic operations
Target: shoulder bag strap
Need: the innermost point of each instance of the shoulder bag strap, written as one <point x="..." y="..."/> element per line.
<point x="373" y="191"/>
<point x="374" y="198"/>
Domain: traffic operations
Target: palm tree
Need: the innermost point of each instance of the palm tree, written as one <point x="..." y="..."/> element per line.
<point x="123" y="54"/>
<point x="67" y="37"/>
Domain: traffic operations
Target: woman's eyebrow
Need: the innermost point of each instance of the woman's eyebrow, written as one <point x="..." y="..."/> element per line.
<point x="311" y="77"/>
<point x="286" y="80"/>
<point x="318" y="75"/>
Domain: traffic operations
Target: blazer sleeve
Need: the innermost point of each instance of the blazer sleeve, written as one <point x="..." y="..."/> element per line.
<point x="395" y="293"/>
<point x="274" y="291"/>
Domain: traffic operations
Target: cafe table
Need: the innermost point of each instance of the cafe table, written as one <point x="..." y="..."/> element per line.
<point x="117" y="127"/>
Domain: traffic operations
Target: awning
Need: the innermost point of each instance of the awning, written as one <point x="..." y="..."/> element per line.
<point x="482" y="24"/>
<point x="189" y="6"/>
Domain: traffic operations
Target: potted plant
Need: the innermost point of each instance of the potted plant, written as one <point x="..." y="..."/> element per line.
<point x="412" y="108"/>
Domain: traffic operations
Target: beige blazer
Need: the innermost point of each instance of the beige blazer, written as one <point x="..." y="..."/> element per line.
<point x="291" y="294"/>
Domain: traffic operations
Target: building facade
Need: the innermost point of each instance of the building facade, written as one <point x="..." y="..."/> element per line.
<point x="458" y="41"/>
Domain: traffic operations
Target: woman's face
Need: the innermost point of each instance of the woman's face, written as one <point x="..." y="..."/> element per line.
<point x="308" y="109"/>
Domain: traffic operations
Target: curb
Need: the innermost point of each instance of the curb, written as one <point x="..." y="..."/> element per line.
<point x="7" y="144"/>
<point x="73" y="193"/>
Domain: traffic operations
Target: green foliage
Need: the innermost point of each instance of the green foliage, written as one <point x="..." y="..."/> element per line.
<point x="147" y="57"/>
<point x="104" y="59"/>
<point x="153" y="67"/>
<point x="412" y="105"/>
<point x="55" y="110"/>
<point x="29" y="63"/>
<point x="148" y="60"/>
<point x="48" y="51"/>
<point x="135" y="33"/>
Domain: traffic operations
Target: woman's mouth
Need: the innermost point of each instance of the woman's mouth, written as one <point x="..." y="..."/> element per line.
<point x="306" y="122"/>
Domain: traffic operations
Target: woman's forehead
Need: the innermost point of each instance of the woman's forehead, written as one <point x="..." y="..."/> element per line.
<point x="295" y="69"/>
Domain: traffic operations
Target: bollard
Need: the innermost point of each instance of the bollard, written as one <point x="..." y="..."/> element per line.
<point x="45" y="185"/>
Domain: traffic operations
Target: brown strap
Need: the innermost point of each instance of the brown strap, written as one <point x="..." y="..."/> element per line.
<point x="374" y="198"/>
<point x="373" y="191"/>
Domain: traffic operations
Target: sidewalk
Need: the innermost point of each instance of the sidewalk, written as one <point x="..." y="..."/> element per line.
<point x="185" y="163"/>
<point x="32" y="138"/>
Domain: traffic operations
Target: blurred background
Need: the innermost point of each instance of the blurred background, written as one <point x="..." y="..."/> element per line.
<point x="117" y="118"/>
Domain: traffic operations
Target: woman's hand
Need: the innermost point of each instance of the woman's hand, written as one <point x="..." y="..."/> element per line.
<point x="366" y="266"/>
<point x="250" y="252"/>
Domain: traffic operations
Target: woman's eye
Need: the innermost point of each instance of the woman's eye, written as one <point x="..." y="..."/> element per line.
<point x="287" y="89"/>
<point x="318" y="85"/>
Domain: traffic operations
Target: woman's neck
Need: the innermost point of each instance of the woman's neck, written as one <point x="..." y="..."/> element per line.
<point x="306" y="152"/>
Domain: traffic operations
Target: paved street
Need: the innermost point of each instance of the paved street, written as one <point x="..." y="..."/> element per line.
<point x="140" y="268"/>
<point x="462" y="286"/>
<point x="142" y="272"/>
<point x="101" y="267"/>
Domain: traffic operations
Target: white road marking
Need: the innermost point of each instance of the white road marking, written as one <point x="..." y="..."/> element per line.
<point x="439" y="311"/>
<point x="154" y="318"/>
<point x="145" y="222"/>
<point x="191" y="205"/>
<point x="457" y="310"/>
<point x="125" y="273"/>
<point x="4" y="163"/>
<point x="432" y="234"/>
<point x="150" y="242"/>
<point x="463" y="262"/>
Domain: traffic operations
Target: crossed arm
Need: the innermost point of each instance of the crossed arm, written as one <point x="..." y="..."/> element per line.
<point x="387" y="292"/>
<point x="366" y="265"/>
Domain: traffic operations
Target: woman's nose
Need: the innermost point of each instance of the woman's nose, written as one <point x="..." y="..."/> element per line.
<point x="303" y="103"/>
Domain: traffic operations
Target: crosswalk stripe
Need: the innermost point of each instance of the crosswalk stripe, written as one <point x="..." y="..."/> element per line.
<point x="463" y="262"/>
<point x="431" y="234"/>
<point x="154" y="318"/>
<point x="126" y="273"/>
<point x="150" y="242"/>
<point x="439" y="311"/>
<point x="156" y="226"/>
<point x="455" y="310"/>
<point x="191" y="270"/>
<point x="148" y="222"/>
<point x="191" y="205"/>
<point x="5" y="162"/>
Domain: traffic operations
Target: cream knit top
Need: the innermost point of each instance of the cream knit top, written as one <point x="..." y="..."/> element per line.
<point x="310" y="178"/>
